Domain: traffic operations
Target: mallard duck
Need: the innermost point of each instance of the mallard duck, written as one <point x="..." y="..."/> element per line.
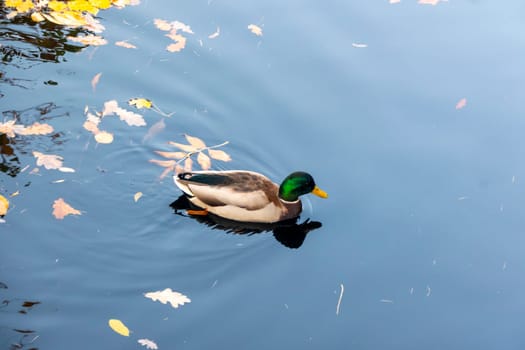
<point x="247" y="196"/>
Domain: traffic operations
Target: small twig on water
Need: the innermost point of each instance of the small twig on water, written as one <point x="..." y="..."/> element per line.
<point x="340" y="298"/>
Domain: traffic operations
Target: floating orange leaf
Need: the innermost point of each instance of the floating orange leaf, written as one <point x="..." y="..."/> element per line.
<point x="95" y="81"/>
<point x="61" y="209"/>
<point x="461" y="103"/>
<point x="255" y="29"/>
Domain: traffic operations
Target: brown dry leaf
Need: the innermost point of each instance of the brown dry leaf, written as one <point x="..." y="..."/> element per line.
<point x="95" y="81"/>
<point x="185" y="148"/>
<point x="255" y="29"/>
<point x="49" y="161"/>
<point x="104" y="137"/>
<point x="125" y="44"/>
<point x="216" y="34"/>
<point x="219" y="155"/>
<point x="174" y="155"/>
<point x="93" y="40"/>
<point x="461" y="103"/>
<point x="204" y="161"/>
<point x="167" y="295"/>
<point x="36" y="129"/>
<point x="162" y="24"/>
<point x="195" y="142"/>
<point x="61" y="209"/>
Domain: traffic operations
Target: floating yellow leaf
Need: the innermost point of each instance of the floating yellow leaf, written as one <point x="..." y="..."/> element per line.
<point x="125" y="44"/>
<point x="20" y="5"/>
<point x="140" y="103"/>
<point x="37" y="17"/>
<point x="104" y="137"/>
<point x="61" y="209"/>
<point x="255" y="29"/>
<point x="167" y="295"/>
<point x="4" y="205"/>
<point x="95" y="80"/>
<point x="219" y="155"/>
<point x="137" y="196"/>
<point x="119" y="327"/>
<point x="66" y="18"/>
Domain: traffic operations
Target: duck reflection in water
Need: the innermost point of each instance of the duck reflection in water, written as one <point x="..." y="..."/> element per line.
<point x="289" y="233"/>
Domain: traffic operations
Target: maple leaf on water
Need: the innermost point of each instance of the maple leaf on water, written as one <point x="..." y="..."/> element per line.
<point x="61" y="209"/>
<point x="149" y="344"/>
<point x="140" y="103"/>
<point x="167" y="295"/>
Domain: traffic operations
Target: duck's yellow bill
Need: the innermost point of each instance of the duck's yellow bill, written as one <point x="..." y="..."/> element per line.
<point x="319" y="192"/>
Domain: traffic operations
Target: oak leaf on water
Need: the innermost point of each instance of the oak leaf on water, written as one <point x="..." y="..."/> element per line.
<point x="167" y="295"/>
<point x="61" y="209"/>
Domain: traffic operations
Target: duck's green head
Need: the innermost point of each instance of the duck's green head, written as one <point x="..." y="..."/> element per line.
<point x="299" y="183"/>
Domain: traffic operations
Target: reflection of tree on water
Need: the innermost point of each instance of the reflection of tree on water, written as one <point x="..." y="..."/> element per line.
<point x="288" y="233"/>
<point x="11" y="148"/>
<point x="25" y="42"/>
<point x="16" y="338"/>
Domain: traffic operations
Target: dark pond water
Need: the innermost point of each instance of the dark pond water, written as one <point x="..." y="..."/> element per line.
<point x="424" y="226"/>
